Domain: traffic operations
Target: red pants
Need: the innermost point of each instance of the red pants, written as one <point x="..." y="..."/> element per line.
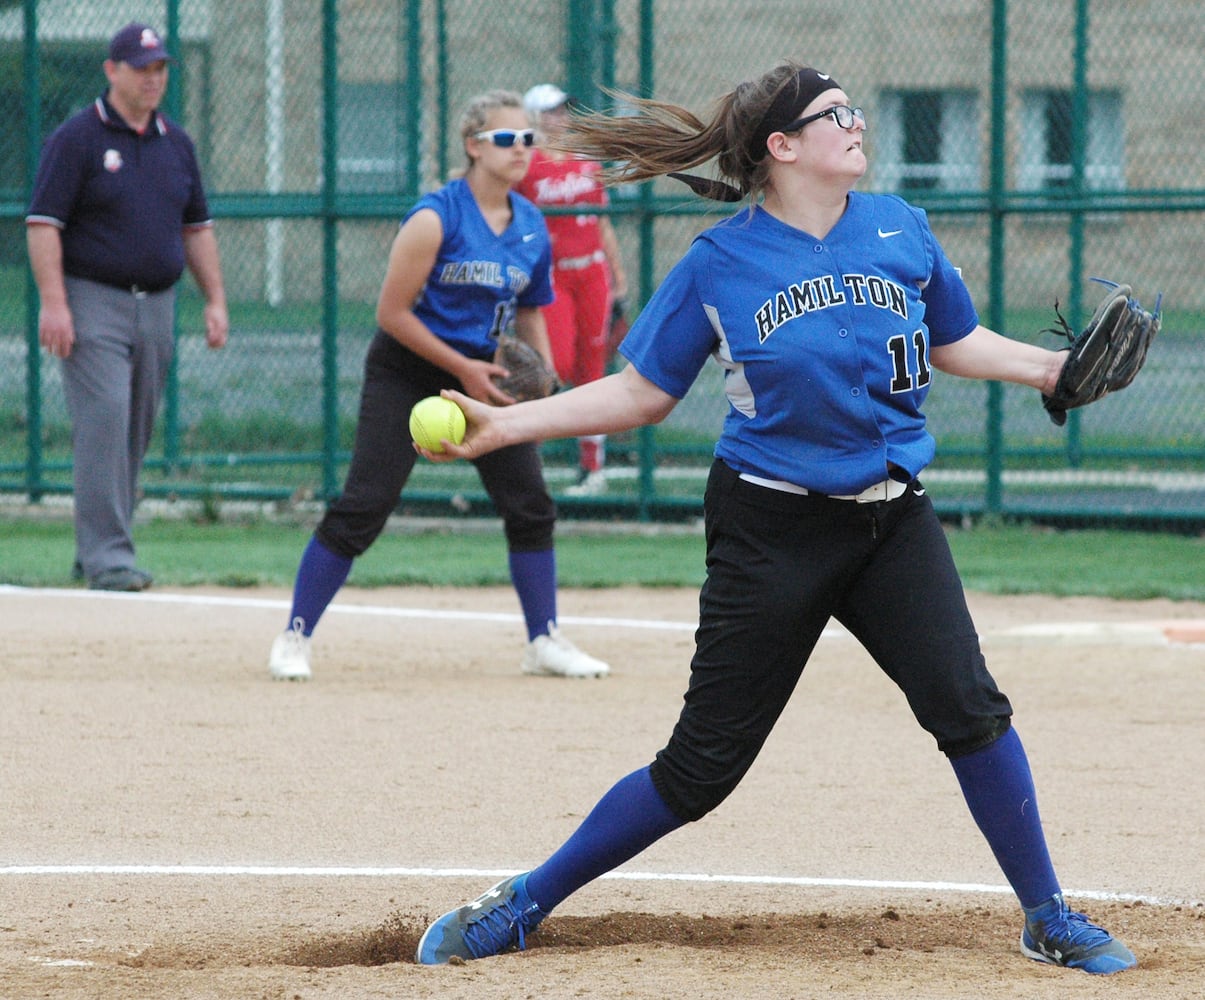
<point x="578" y="320"/>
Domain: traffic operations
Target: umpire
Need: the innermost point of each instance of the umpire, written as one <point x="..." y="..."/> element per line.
<point x="118" y="211"/>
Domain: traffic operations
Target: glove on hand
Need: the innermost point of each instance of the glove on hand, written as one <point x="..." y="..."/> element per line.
<point x="530" y="377"/>
<point x="1107" y="355"/>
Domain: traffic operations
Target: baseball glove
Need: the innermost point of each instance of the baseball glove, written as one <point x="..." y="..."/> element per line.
<point x="1107" y="355"/>
<point x="530" y="377"/>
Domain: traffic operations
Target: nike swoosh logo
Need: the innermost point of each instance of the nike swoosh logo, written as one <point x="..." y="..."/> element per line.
<point x="919" y="493"/>
<point x="884" y="236"/>
<point x="529" y="237"/>
<point x="824" y="76"/>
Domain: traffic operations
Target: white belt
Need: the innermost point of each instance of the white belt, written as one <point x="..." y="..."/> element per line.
<point x="580" y="263"/>
<point x="888" y="489"/>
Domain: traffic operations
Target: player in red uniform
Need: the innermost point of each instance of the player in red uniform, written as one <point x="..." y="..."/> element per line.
<point x="588" y="275"/>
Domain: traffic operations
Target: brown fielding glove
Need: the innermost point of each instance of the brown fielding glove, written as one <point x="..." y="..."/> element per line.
<point x="530" y="377"/>
<point x="1107" y="355"/>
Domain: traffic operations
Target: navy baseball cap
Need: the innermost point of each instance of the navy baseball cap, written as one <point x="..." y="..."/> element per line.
<point x="139" y="45"/>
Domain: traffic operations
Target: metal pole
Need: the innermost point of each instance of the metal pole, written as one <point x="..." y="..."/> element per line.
<point x="412" y="131"/>
<point x="330" y="250"/>
<point x="647" y="436"/>
<point x="1079" y="138"/>
<point x="171" y="394"/>
<point x="993" y="500"/>
<point x="33" y="365"/>
<point x="274" y="146"/>
<point x="442" y="103"/>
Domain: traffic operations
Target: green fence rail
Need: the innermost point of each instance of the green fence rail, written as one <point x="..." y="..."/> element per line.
<point x="1049" y="140"/>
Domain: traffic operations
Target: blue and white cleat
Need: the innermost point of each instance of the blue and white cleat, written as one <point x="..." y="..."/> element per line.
<point x="497" y="921"/>
<point x="1057" y="935"/>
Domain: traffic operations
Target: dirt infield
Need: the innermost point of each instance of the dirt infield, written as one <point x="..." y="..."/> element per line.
<point x="174" y="824"/>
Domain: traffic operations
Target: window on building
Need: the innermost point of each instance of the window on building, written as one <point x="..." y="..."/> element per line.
<point x="1046" y="155"/>
<point x="927" y="140"/>
<point x="372" y="151"/>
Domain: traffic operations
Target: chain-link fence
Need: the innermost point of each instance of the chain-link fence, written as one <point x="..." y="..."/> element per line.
<point x="1049" y="142"/>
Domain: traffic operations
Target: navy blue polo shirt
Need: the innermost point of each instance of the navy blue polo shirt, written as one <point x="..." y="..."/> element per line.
<point x="121" y="199"/>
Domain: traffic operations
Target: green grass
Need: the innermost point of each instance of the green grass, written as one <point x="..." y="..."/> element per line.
<point x="1009" y="559"/>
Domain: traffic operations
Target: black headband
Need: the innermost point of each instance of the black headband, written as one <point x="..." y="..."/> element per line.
<point x="795" y="95"/>
<point x="792" y="97"/>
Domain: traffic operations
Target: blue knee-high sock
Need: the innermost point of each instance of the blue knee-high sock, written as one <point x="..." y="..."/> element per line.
<point x="630" y="817"/>
<point x="319" y="577"/>
<point x="534" y="577"/>
<point x="998" y="786"/>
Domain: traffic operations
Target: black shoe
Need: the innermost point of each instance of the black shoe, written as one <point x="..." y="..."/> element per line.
<point x="124" y="578"/>
<point x="77" y="572"/>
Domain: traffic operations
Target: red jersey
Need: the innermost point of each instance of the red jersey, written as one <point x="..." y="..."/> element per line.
<point x="556" y="183"/>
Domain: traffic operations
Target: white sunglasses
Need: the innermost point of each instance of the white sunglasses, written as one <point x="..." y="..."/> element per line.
<point x="504" y="138"/>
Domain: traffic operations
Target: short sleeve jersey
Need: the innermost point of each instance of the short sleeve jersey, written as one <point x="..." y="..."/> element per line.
<point x="120" y="198"/>
<point x="824" y="342"/>
<point x="481" y="277"/>
<point x="552" y="183"/>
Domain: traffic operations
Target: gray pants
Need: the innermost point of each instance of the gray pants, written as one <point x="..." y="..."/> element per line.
<point x="113" y="381"/>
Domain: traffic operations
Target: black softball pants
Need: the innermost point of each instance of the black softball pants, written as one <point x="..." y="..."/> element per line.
<point x="779" y="566"/>
<point x="395" y="378"/>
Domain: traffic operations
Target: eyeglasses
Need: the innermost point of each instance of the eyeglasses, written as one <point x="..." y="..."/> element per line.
<point x="844" y="117"/>
<point x="504" y="138"/>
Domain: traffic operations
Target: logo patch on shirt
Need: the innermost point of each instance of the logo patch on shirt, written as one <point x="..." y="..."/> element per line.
<point x="889" y="233"/>
<point x="112" y="161"/>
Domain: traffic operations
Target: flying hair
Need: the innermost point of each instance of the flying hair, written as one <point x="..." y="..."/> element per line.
<point x="658" y="139"/>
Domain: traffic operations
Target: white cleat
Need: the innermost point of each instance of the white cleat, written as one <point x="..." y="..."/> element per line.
<point x="593" y="484"/>
<point x="553" y="655"/>
<point x="290" y="656"/>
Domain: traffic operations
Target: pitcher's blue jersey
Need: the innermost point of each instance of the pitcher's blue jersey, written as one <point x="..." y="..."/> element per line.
<point x="824" y="343"/>
<point x="481" y="277"/>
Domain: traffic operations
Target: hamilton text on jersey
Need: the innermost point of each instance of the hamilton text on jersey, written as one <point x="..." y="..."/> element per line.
<point x="483" y="272"/>
<point x="822" y="293"/>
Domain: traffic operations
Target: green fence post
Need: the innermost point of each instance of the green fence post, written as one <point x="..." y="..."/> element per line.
<point x="330" y="250"/>
<point x="647" y="435"/>
<point x="33" y="365"/>
<point x="994" y="430"/>
<point x="414" y="96"/>
<point x="608" y="33"/>
<point x="444" y="124"/>
<point x="579" y="51"/>
<point x="171" y="394"/>
<point x="1079" y="155"/>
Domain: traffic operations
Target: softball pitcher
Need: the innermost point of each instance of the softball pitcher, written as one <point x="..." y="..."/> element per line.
<point x="828" y="311"/>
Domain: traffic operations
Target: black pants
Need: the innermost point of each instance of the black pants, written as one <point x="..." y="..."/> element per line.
<point x="779" y="566"/>
<point x="394" y="380"/>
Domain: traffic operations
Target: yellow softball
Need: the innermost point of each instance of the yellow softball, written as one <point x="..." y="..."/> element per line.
<point x="436" y="419"/>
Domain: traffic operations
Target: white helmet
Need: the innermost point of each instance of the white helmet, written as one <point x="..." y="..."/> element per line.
<point x="544" y="97"/>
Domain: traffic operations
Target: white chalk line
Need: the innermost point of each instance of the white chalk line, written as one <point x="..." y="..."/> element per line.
<point x="1129" y="633"/>
<point x="793" y="881"/>
<point x="276" y="604"/>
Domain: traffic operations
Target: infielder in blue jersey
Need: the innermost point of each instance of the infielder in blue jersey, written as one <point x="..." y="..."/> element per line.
<point x="828" y="311"/>
<point x="468" y="262"/>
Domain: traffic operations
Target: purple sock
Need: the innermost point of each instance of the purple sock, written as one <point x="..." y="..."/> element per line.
<point x="319" y="578"/>
<point x="534" y="577"/>
<point x="998" y="787"/>
<point x="630" y="817"/>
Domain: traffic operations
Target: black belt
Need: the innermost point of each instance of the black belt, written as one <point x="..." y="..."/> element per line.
<point x="133" y="289"/>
